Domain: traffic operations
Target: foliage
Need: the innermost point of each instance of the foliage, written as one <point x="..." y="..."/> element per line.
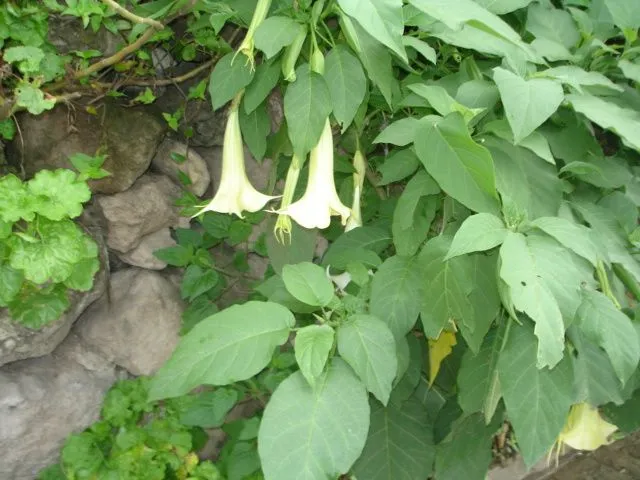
<point x="43" y="253"/>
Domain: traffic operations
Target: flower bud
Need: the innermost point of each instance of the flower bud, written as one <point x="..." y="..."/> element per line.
<point x="360" y="166"/>
<point x="247" y="46"/>
<point x="291" y="55"/>
<point x="282" y="229"/>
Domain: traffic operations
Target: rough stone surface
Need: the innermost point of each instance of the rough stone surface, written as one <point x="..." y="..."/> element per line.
<point x="142" y="256"/>
<point x="68" y="34"/>
<point x="44" y="399"/>
<point x="19" y="343"/>
<point x="137" y="330"/>
<point x="128" y="136"/>
<point x="143" y="209"/>
<point x="194" y="166"/>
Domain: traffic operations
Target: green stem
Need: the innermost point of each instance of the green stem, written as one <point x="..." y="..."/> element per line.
<point x="603" y="278"/>
<point x="628" y="281"/>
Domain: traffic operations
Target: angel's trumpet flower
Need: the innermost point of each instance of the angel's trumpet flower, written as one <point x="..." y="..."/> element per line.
<point x="235" y="193"/>
<point x="247" y="46"/>
<point x="360" y="165"/>
<point x="282" y="229"/>
<point x="320" y="200"/>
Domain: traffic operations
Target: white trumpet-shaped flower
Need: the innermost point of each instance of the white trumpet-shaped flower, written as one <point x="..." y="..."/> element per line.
<point x="320" y="200"/>
<point x="359" y="165"/>
<point x="235" y="193"/>
<point x="247" y="46"/>
<point x="282" y="228"/>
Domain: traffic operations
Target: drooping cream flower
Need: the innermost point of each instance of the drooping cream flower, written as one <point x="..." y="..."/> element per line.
<point x="320" y="200"/>
<point x="282" y="229"/>
<point x="247" y="46"/>
<point x="235" y="193"/>
<point x="360" y="165"/>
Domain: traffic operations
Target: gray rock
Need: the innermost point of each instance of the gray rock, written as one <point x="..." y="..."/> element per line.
<point x="68" y="34"/>
<point x="43" y="400"/>
<point x="194" y="166"/>
<point x="19" y="343"/>
<point x="128" y="136"/>
<point x="142" y="256"/>
<point x="145" y="208"/>
<point x="139" y="329"/>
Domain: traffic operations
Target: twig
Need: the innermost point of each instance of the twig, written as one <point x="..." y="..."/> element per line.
<point x="132" y="16"/>
<point x="170" y="81"/>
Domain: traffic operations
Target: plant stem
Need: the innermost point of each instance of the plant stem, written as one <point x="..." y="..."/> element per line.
<point x="603" y="279"/>
<point x="628" y="281"/>
<point x="132" y="16"/>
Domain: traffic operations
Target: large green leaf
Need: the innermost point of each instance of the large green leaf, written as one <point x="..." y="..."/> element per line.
<point x="312" y="347"/>
<point x="266" y="77"/>
<point x="228" y="77"/>
<point x="537" y="401"/>
<point x="625" y="13"/>
<point x="363" y="239"/>
<point x="605" y="325"/>
<point x="314" y="434"/>
<point x="396" y="291"/>
<point x="309" y="283"/>
<point x="536" y="142"/>
<point x="400" y="164"/>
<point x="446" y="286"/>
<point x="462" y="168"/>
<point x="527" y="103"/>
<point x="623" y="121"/>
<point x="275" y="33"/>
<point x="401" y="132"/>
<point x="255" y="127"/>
<point x="382" y="19"/>
<point x="531" y="295"/>
<point x="300" y="248"/>
<point x="573" y="236"/>
<point x="367" y="344"/>
<point x="11" y="283"/>
<point x="477" y="233"/>
<point x="552" y="24"/>
<point x="230" y="346"/>
<point x="577" y="77"/>
<point x="500" y="7"/>
<point x="307" y="104"/>
<point x="347" y="84"/>
<point x="399" y="445"/>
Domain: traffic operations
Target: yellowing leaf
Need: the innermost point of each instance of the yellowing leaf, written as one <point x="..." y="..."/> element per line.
<point x="439" y="349"/>
<point x="585" y="429"/>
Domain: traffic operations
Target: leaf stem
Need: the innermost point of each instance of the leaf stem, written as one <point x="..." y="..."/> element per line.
<point x="603" y="279"/>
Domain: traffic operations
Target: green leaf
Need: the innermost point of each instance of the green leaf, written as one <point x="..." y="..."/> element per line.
<point x="53" y="256"/>
<point x="396" y="291"/>
<point x="333" y="420"/>
<point x="347" y="84"/>
<point x="382" y="19"/>
<point x="266" y="78"/>
<point x="446" y="284"/>
<point x="197" y="281"/>
<point x="442" y="102"/>
<point x="178" y="256"/>
<point x="462" y="168"/>
<point x="275" y="33"/>
<point x="27" y="58"/>
<point x="466" y="453"/>
<point x="300" y="249"/>
<point x="10" y="284"/>
<point x="622" y="121"/>
<point x="537" y="401"/>
<point x="229" y="76"/>
<point x="312" y="347"/>
<point x="398" y="165"/>
<point x="7" y="129"/>
<point x="477" y="233"/>
<point x="39" y="307"/>
<point x="59" y="194"/>
<point x="368" y="346"/>
<point x="209" y="409"/>
<point x="531" y="295"/>
<point x="309" y="283"/>
<point x="255" y="127"/>
<point x="625" y="13"/>
<point x="230" y="346"/>
<point x="274" y="290"/>
<point x="198" y="310"/>
<point x="307" y="104"/>
<point x="15" y="202"/>
<point x="629" y="70"/>
<point x="422" y="47"/>
<point x="536" y="142"/>
<point x="32" y="99"/>
<point x="552" y="24"/>
<point x="626" y="417"/>
<point x="527" y="103"/>
<point x="573" y="236"/>
<point x="81" y="279"/>
<point x="400" y="443"/>
<point x="605" y="325"/>
<point x="500" y="7"/>
<point x="577" y="77"/>
<point x="401" y="132"/>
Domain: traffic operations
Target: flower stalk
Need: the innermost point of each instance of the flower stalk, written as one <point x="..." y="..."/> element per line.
<point x="235" y="193"/>
<point x="282" y="229"/>
<point x="248" y="45"/>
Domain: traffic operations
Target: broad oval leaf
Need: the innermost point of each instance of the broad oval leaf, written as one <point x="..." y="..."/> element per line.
<point x="312" y="347"/>
<point x="275" y="33"/>
<point x="266" y="77"/>
<point x="230" y="346"/>
<point x="573" y="236"/>
<point x="307" y="104"/>
<point x="309" y="283"/>
<point x="401" y="132"/>
<point x="367" y="344"/>
<point x="477" y="233"/>
<point x="314" y="434"/>
<point x="347" y="84"/>
<point x="228" y="77"/>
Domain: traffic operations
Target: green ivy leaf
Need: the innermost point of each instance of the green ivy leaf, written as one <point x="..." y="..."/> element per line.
<point x="537" y="401"/>
<point x="368" y="346"/>
<point x="197" y="281"/>
<point x="307" y="104"/>
<point x="477" y="233"/>
<point x="309" y="283"/>
<point x="275" y="33"/>
<point x="38" y="308"/>
<point x="400" y="443"/>
<point x="229" y="76"/>
<point x="333" y="419"/>
<point x="312" y="347"/>
<point x="230" y="346"/>
<point x="58" y="194"/>
<point x="10" y="284"/>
